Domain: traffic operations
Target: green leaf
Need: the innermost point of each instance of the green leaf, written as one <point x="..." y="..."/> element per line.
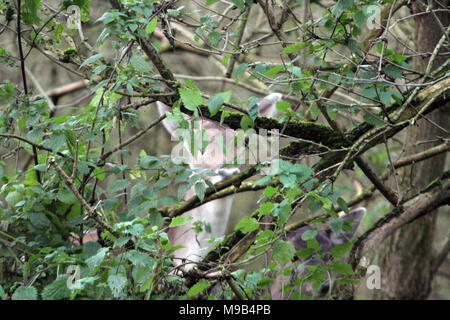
<point x="34" y="135"/>
<point x="2" y="293"/>
<point x="91" y="59"/>
<point x="240" y="70"/>
<point x="14" y="197"/>
<point x="162" y="183"/>
<point x="263" y="181"/>
<point x="55" y="142"/>
<point x="336" y="225"/>
<point x="270" y="191"/>
<point x="295" y="47"/>
<point x="138" y="258"/>
<point x="309" y="234"/>
<point x="200" y="190"/>
<point x="283" y="251"/>
<point x="373" y="119"/>
<point x="57" y="290"/>
<point x="247" y="225"/>
<point x="179" y="221"/>
<point x="288" y="181"/>
<point x="342" y="205"/>
<point x="117" y="284"/>
<point x="168" y="200"/>
<point x="139" y="63"/>
<point x="118" y="185"/>
<point x="273" y="71"/>
<point x="198" y="288"/>
<point x="305" y="253"/>
<point x="29" y="11"/>
<point x="94" y="261"/>
<point x="214" y="104"/>
<point x="240" y="4"/>
<point x="341" y="267"/>
<point x="341" y="6"/>
<point x="265" y="208"/>
<point x="246" y="122"/>
<point x="209" y="2"/>
<point x="191" y="97"/>
<point x="393" y="71"/>
<point x="215" y="38"/>
<point x="338" y="251"/>
<point x="151" y="26"/>
<point x="25" y="293"/>
<point x="66" y="196"/>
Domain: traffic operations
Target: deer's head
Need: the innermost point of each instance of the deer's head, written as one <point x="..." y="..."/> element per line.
<point x="206" y="144"/>
<point x="327" y="239"/>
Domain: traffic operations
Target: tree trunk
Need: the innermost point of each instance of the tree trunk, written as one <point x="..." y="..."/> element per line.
<point x="405" y="258"/>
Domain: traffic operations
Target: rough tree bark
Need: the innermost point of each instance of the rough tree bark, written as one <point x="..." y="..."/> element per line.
<point x="405" y="257"/>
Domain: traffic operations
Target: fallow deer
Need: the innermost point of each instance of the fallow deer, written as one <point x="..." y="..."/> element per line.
<point x="327" y="240"/>
<point x="215" y="213"/>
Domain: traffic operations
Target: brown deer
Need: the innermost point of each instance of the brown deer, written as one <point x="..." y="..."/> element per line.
<point x="327" y="240"/>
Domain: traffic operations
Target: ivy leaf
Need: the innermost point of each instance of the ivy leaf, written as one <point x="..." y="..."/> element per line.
<point x="283" y="251"/>
<point x="288" y="181"/>
<point x="191" y="97"/>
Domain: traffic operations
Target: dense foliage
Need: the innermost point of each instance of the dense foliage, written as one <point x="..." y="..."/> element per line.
<point x="348" y="88"/>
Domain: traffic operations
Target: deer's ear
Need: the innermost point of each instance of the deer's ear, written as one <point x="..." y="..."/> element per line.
<point x="168" y="124"/>
<point x="295" y="237"/>
<point x="267" y="105"/>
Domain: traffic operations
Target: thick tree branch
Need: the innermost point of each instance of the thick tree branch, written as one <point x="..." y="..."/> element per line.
<point x="406" y="213"/>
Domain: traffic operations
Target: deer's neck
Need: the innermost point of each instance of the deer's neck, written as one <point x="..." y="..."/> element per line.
<point x="215" y="214"/>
